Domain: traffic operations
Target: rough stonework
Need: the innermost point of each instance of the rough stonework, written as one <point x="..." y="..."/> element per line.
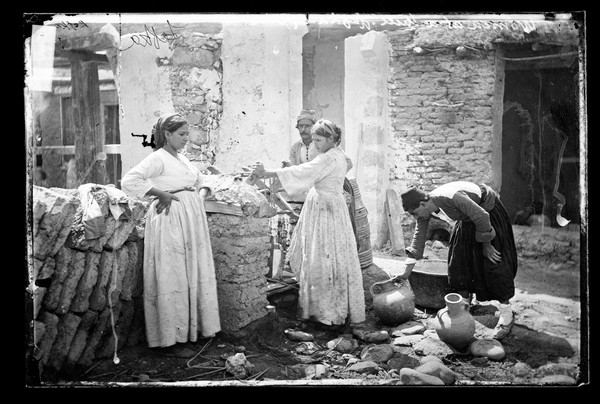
<point x="53" y="214"/>
<point x="88" y="293"/>
<point x="241" y="248"/>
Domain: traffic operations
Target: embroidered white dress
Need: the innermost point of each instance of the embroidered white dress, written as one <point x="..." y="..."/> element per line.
<point x="323" y="251"/>
<point x="180" y="289"/>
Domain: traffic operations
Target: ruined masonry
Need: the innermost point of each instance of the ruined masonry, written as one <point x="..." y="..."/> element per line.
<point x="87" y="294"/>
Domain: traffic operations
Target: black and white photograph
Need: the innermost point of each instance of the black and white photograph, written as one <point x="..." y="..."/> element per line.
<point x="306" y="200"/>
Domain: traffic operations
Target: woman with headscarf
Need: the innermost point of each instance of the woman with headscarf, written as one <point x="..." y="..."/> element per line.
<point x="180" y="291"/>
<point x="323" y="250"/>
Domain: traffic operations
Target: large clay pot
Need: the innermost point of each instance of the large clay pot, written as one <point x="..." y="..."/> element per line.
<point x="393" y="301"/>
<point x="429" y="282"/>
<point x="454" y="324"/>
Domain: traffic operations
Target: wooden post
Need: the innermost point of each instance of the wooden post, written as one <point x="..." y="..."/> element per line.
<point x="394" y="211"/>
<point x="89" y="156"/>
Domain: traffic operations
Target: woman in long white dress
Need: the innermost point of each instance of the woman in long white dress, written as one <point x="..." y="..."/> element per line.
<point x="180" y="291"/>
<point x="323" y="250"/>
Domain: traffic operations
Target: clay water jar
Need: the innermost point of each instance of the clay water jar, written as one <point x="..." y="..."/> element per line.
<point x="393" y="301"/>
<point x="454" y="324"/>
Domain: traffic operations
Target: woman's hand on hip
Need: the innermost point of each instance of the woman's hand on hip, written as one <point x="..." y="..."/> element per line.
<point x="164" y="202"/>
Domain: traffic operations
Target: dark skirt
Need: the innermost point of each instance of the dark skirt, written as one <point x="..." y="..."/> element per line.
<point x="469" y="270"/>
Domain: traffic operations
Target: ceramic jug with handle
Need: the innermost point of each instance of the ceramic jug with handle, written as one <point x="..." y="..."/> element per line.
<point x="393" y="301"/>
<point x="454" y="324"/>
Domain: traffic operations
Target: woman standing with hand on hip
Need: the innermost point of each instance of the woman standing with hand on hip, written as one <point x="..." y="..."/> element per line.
<point x="323" y="248"/>
<point x="180" y="291"/>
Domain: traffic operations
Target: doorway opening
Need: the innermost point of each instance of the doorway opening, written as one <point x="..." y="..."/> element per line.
<point x="540" y="136"/>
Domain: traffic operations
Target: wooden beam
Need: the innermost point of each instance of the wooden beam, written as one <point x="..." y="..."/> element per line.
<point x="81" y="55"/>
<point x="86" y="41"/>
<point x="89" y="154"/>
<point x="394" y="210"/>
<point x="540" y="64"/>
<point x="211" y="206"/>
<point x="66" y="150"/>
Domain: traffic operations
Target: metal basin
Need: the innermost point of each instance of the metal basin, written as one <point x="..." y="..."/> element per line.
<point x="429" y="282"/>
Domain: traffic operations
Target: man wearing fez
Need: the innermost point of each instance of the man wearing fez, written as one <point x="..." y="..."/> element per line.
<point x="482" y="256"/>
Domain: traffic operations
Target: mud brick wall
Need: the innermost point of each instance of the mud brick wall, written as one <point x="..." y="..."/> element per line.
<point x="81" y="287"/>
<point x="241" y="248"/>
<point x="88" y="294"/>
<point x="559" y="245"/>
<point x="442" y="113"/>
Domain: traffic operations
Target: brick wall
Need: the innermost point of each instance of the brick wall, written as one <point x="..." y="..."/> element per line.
<point x="441" y="114"/>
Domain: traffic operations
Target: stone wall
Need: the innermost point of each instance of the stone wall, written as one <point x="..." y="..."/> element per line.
<point x="196" y="76"/>
<point x="87" y="294"/>
<point x="557" y="245"/>
<point x="241" y="248"/>
<point x="185" y="76"/>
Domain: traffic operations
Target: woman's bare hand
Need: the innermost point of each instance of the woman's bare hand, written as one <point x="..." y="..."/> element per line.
<point x="164" y="202"/>
<point x="491" y="253"/>
<point x="258" y="169"/>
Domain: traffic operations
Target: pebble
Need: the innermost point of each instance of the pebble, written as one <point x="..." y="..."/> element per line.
<point x="489" y="348"/>
<point x="299" y="335"/>
<point x="371" y="336"/>
<point x="410" y="376"/>
<point x="521" y="369"/>
<point x="377" y="353"/>
<point x="409" y="328"/>
<point x="567" y="369"/>
<point x="398" y="362"/>
<point x="369" y="367"/>
<point x="407" y="340"/>
<point x="439" y="370"/>
<point x="432" y="346"/>
<point x="306" y="348"/>
<point x="343" y="345"/>
<point x="141" y="378"/>
<point x="479" y="361"/>
<point x="560" y="380"/>
<point x="428" y="358"/>
<point x="315" y="371"/>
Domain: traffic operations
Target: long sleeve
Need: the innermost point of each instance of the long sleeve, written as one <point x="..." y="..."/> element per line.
<point x="417" y="246"/>
<point x="483" y="227"/>
<point x="137" y="181"/>
<point x="204" y="183"/>
<point x="348" y="162"/>
<point x="294" y="155"/>
<point x="300" y="178"/>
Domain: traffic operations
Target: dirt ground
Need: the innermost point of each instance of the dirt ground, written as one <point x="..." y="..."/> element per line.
<point x="545" y="340"/>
